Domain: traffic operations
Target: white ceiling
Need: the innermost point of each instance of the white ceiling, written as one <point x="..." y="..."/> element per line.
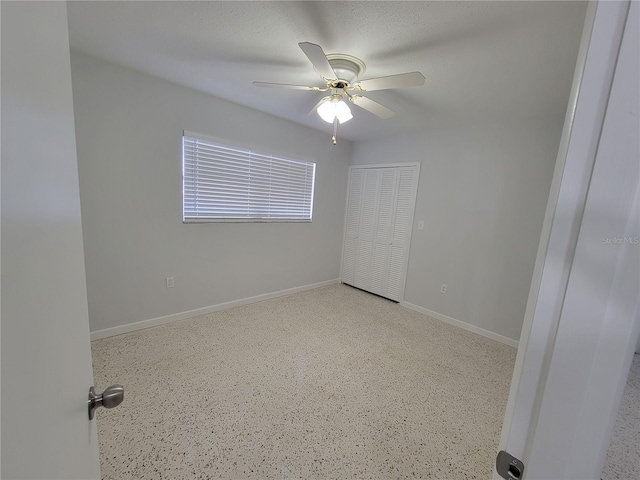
<point x="483" y="61"/>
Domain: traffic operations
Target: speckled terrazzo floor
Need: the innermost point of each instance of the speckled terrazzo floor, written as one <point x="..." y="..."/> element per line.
<point x="331" y="383"/>
<point x="623" y="457"/>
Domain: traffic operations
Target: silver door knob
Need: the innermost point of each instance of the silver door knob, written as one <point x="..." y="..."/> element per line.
<point x="111" y="397"/>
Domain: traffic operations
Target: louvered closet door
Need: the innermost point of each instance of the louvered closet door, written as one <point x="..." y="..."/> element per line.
<point x="351" y="227"/>
<point x="407" y="184"/>
<point x="366" y="228"/>
<point x="378" y="228"/>
<point x="382" y="239"/>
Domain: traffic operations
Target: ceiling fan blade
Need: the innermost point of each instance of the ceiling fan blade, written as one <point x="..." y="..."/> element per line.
<point x="318" y="59"/>
<point x="412" y="79"/>
<point x="371" y="106"/>
<point x="286" y="85"/>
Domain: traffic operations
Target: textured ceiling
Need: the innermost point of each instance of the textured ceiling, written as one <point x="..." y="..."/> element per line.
<point x="483" y="61"/>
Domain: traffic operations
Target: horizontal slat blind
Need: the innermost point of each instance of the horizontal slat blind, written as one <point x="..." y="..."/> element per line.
<point x="225" y="183"/>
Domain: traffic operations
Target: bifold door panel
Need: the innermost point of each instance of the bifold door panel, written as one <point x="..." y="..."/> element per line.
<point x="378" y="228"/>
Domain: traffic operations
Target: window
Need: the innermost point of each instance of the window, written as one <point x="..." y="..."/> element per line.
<point x="222" y="183"/>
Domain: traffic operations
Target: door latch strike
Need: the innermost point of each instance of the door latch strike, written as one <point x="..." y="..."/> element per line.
<point x="508" y="466"/>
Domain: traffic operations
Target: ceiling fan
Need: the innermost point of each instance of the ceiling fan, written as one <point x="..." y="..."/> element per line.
<point x="341" y="73"/>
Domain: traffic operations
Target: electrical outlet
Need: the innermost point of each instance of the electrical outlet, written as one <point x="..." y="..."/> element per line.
<point x="170" y="282"/>
<point x="443" y="288"/>
<point x="421" y="225"/>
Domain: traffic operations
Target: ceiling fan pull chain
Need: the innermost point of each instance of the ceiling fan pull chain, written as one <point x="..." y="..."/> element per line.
<point x="335" y="130"/>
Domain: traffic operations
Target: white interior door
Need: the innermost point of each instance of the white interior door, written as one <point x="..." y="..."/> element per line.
<point x="580" y="327"/>
<point x="46" y="358"/>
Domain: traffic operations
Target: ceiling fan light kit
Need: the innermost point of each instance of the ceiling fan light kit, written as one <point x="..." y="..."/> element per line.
<point x="341" y="73"/>
<point x="333" y="108"/>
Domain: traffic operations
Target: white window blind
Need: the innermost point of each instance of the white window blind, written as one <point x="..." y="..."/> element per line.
<point x="222" y="183"/>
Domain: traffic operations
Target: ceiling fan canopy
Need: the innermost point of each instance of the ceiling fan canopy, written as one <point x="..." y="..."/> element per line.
<point x="347" y="68"/>
<point x="341" y="74"/>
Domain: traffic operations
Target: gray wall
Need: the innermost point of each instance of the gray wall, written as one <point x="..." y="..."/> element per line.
<point x="128" y="128"/>
<point x="482" y="194"/>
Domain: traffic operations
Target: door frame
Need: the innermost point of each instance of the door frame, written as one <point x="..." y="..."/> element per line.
<point x="554" y="372"/>
<point x="405" y="265"/>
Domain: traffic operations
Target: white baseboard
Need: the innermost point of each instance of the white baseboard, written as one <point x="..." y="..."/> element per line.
<point x="461" y="324"/>
<point x="153" y="322"/>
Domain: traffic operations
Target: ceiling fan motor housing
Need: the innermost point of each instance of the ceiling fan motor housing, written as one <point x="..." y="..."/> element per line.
<point x="347" y="69"/>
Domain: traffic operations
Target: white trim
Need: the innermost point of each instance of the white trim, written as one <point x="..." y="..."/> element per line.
<point x="154" y="322"/>
<point x="459" y="323"/>
<point x="596" y="333"/>
<point x="576" y="156"/>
